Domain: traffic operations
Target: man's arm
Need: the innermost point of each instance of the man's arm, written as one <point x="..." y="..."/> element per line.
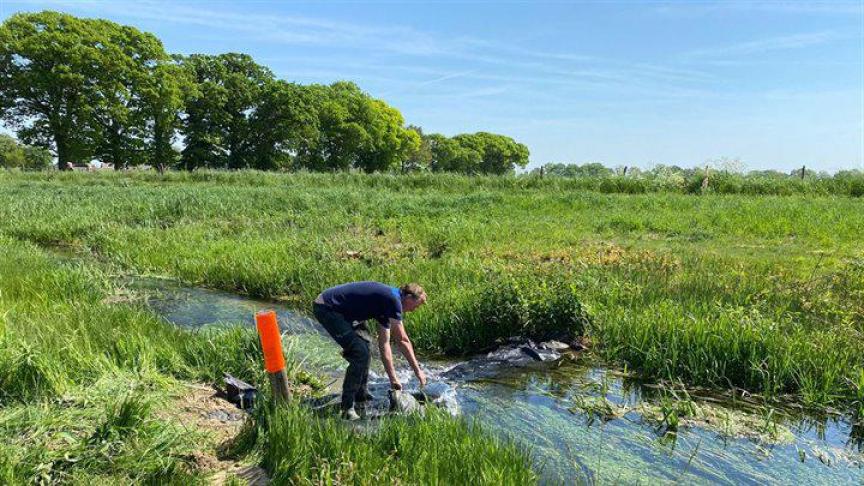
<point x="387" y="356"/>
<point x="407" y="349"/>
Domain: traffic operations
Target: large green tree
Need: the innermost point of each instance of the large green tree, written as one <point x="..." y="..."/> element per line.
<point x="163" y="95"/>
<point x="283" y="126"/>
<point x="126" y="86"/>
<point x="229" y="89"/>
<point x="48" y="64"/>
<point x="499" y="154"/>
<point x="448" y="155"/>
<point x="476" y="153"/>
<point x="355" y="131"/>
<point x="87" y="87"/>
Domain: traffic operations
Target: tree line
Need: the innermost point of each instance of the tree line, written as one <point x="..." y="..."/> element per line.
<point x="723" y="166"/>
<point x="93" y="89"/>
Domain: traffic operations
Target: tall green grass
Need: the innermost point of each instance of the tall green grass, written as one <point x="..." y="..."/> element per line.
<point x="299" y="447"/>
<point x="848" y="183"/>
<point x="83" y="379"/>
<point x="758" y="292"/>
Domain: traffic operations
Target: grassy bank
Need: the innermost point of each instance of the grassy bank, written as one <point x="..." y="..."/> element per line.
<point x="86" y="384"/>
<point x="759" y="292"/>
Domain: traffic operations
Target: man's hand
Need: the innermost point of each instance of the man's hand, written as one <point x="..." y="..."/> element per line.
<point x="421" y="377"/>
<point x="395" y="385"/>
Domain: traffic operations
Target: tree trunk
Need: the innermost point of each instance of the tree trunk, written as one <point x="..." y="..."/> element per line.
<point x="62" y="152"/>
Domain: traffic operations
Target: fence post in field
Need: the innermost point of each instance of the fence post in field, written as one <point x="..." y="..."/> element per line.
<point x="274" y="360"/>
<point x="803" y="168"/>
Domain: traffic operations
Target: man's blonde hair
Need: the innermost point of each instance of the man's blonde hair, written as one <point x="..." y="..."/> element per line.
<point x="412" y="289"/>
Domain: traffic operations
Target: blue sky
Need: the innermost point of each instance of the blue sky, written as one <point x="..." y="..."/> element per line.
<point x="777" y="84"/>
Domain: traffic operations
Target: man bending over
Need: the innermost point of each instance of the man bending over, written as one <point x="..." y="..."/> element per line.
<point x="343" y="310"/>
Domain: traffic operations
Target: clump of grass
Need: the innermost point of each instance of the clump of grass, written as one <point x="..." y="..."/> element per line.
<point x="299" y="447"/>
<point x="539" y="308"/>
<point x="106" y="432"/>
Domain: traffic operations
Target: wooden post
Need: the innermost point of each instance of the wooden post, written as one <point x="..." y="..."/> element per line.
<point x="274" y="360"/>
<point x="803" y="168"/>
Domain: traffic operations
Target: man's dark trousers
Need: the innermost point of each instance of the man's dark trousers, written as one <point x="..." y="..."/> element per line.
<point x="355" y="349"/>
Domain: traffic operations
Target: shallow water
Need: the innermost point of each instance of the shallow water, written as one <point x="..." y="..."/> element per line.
<point x="542" y="406"/>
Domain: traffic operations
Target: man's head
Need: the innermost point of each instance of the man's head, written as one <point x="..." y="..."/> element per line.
<point x="413" y="296"/>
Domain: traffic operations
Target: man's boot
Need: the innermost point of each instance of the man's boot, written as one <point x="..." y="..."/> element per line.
<point x="350" y="414"/>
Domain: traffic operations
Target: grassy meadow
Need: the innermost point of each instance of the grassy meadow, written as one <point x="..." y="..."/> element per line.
<point x="759" y="292"/>
<point x="86" y="383"/>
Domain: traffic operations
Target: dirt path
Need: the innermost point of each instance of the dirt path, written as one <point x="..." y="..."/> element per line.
<point x="199" y="409"/>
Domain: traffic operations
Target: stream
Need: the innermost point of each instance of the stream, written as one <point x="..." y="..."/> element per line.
<point x="583" y="422"/>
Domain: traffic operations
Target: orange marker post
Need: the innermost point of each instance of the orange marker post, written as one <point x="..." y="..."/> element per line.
<point x="274" y="360"/>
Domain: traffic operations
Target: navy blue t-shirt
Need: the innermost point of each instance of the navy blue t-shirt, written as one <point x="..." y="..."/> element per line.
<point x="360" y="301"/>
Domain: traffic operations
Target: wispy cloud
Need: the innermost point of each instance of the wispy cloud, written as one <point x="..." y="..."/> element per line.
<point x="279" y="28"/>
<point x="791" y="7"/>
<point x="761" y="46"/>
<point x="471" y="60"/>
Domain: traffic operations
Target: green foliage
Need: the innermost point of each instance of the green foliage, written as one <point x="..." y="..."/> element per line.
<point x="301" y="448"/>
<point x="47" y="62"/>
<point x="126" y="84"/>
<point x="163" y="96"/>
<point x="675" y="179"/>
<point x="218" y="129"/>
<point x="593" y="169"/>
<point x="476" y="153"/>
<point x="540" y="307"/>
<point x="421" y="159"/>
<point x="108" y="432"/>
<point x="355" y="131"/>
<point x="14" y="155"/>
<point x="91" y="88"/>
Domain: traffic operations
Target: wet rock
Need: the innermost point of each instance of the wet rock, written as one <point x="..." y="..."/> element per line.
<point x="441" y="395"/>
<point x="506" y="353"/>
<point x="403" y="402"/>
<point x="541" y="354"/>
<point x="531" y="352"/>
<point x="554" y="345"/>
